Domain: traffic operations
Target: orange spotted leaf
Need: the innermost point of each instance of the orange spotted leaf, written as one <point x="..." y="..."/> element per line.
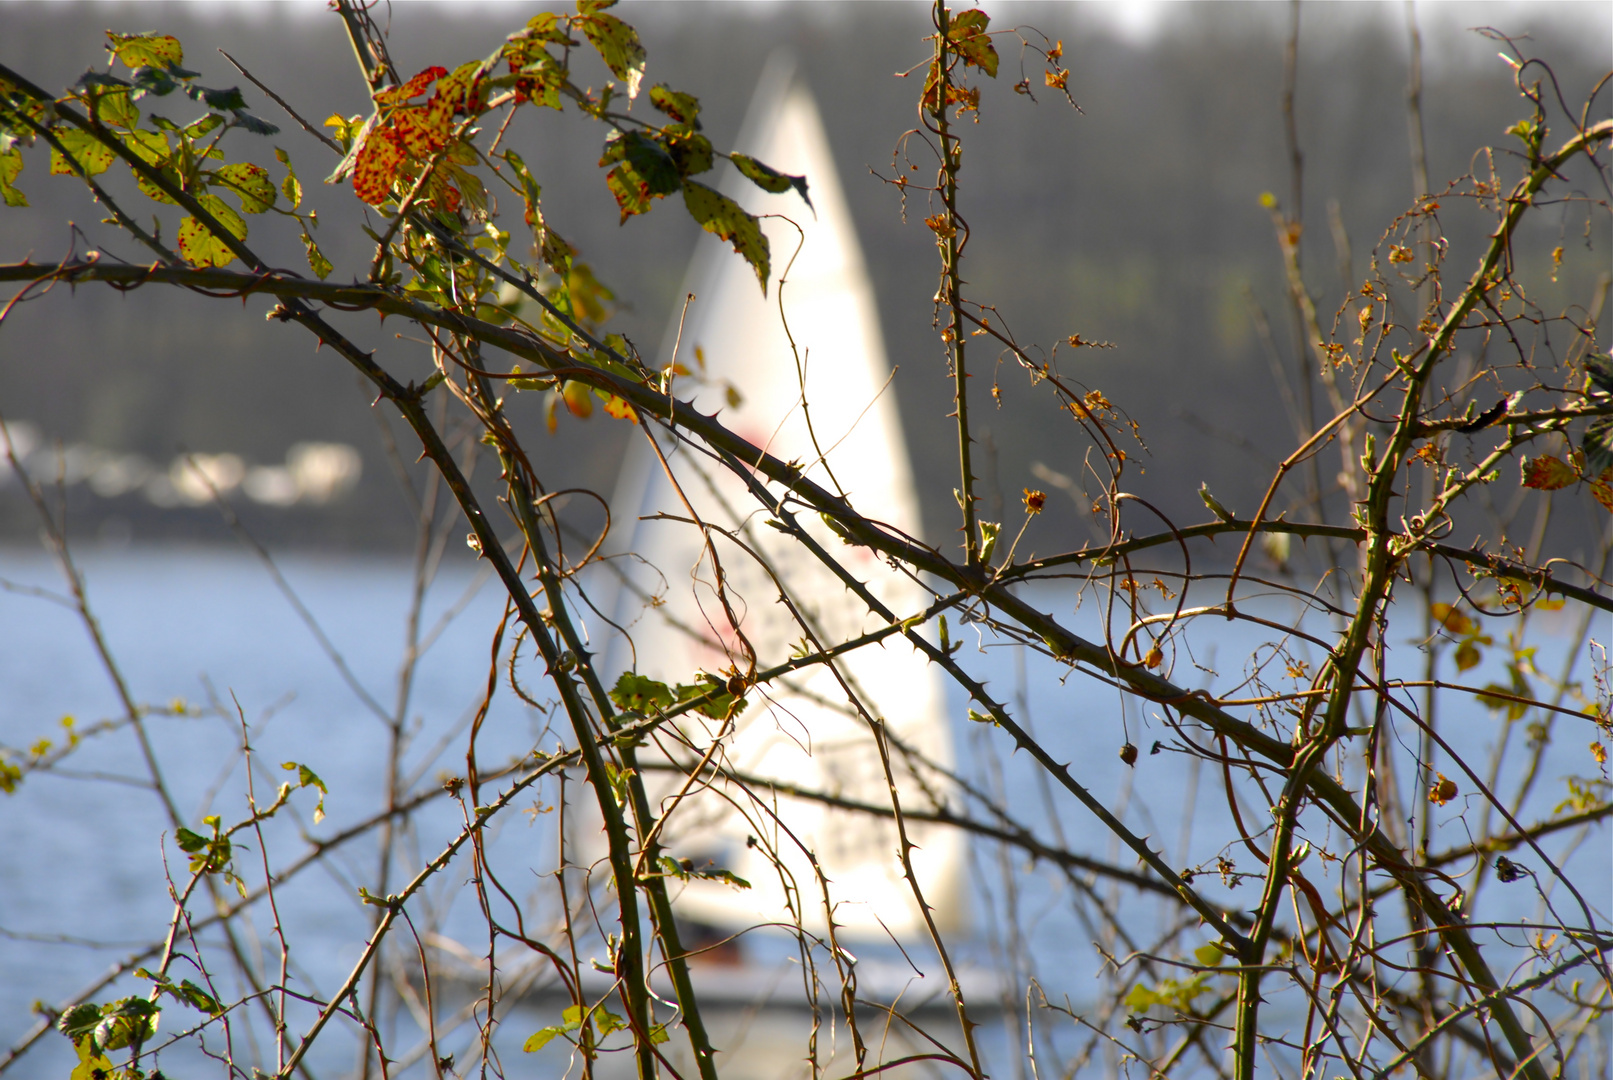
<point x="376" y="166"/>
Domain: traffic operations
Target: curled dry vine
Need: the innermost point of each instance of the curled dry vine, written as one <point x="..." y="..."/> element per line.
<point x="1345" y="946"/>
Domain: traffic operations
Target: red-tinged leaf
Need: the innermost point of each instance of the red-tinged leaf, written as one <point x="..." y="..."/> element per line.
<point x="376" y="165"/>
<point x="968" y="36"/>
<point x="621" y="410"/>
<point x="412" y="89"/>
<point x="1603" y="491"/>
<point x="719" y="214"/>
<point x="1453" y="620"/>
<point x="632" y="193"/>
<point x="442" y="193"/>
<point x="1547" y="473"/>
<point x="684" y="108"/>
<point x="143" y="50"/>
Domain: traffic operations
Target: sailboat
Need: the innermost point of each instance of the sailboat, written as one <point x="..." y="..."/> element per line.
<point x="802" y="372"/>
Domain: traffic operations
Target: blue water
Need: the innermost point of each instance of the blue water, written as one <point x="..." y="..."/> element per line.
<point x="83" y="854"/>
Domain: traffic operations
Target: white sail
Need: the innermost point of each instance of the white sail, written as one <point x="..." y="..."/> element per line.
<point x="802" y="733"/>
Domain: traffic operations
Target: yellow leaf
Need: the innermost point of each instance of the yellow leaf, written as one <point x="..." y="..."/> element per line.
<point x="621" y="410"/>
<point x="91" y="1065"/>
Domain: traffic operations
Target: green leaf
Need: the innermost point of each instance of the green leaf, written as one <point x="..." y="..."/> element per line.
<point x="545" y="26"/>
<point x="554" y="251"/>
<point x="205" y="126"/>
<point x="658" y="1034"/>
<point x="770" y="179"/>
<point x="250" y="183"/>
<point x="572" y="1021"/>
<point x="247" y="122"/>
<point x="316" y="259"/>
<point x="139" y="50"/>
<point x="149" y="146"/>
<point x="290" y="187"/>
<point x="1140" y="999"/>
<point x="721" y="701"/>
<point x="690" y="151"/>
<point x="79" y="1021"/>
<point x="608" y="1021"/>
<point x="544" y="1036"/>
<point x="617" y="779"/>
<point x="306" y="777"/>
<point x="967" y="33"/>
<point x="640" y="693"/>
<point x="617" y="44"/>
<point x="229" y="100"/>
<point x="189" y="842"/>
<point x="644" y="171"/>
<point x="989" y="531"/>
<point x="1598" y="446"/>
<point x="10" y="777"/>
<point x="719" y="214"/>
<point x="92" y="156"/>
<point x="200" y="998"/>
<point x="10" y="169"/>
<point x="684" y="108"/>
<point x="126" y="1022"/>
<point x="155" y="80"/>
<point x="1599" y="369"/>
<point x="114" y="107"/>
<point x="725" y="876"/>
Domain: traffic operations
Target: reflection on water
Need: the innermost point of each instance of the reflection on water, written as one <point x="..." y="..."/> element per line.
<point x="199" y="632"/>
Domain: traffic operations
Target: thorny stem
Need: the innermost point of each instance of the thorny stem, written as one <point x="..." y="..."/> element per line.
<point x="951" y="238"/>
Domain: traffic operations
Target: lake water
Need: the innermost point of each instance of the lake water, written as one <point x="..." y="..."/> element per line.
<point x="82" y="874"/>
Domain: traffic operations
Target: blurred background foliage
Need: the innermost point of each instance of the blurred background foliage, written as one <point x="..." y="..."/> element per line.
<point x="1135" y="222"/>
